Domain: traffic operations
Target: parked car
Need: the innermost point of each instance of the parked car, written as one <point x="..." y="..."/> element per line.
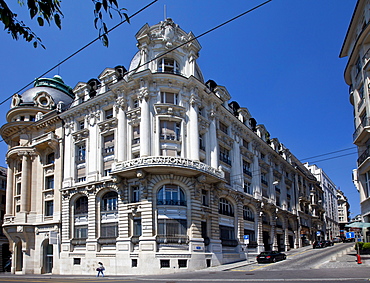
<point x="319" y="244"/>
<point x="271" y="256"/>
<point x="329" y="243"/>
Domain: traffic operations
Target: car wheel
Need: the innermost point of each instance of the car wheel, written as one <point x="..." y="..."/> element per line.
<point x="284" y="257"/>
<point x="274" y="259"/>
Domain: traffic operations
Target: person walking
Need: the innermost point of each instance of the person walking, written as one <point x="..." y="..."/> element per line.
<point x="100" y="269"/>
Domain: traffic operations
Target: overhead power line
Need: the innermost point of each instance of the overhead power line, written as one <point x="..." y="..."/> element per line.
<point x="334" y="157"/>
<point x="156" y="58"/>
<point x="82" y="48"/>
<point x="328" y="153"/>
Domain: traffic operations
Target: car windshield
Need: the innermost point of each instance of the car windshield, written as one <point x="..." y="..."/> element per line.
<point x="265" y="253"/>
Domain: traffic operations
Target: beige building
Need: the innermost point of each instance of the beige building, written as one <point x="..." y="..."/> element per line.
<point x="150" y="169"/>
<point x="356" y="47"/>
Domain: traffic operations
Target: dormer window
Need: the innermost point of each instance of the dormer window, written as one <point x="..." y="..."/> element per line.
<point x="168" y="65"/>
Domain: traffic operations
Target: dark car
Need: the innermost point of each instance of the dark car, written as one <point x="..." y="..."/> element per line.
<point x="272" y="256"/>
<point x="319" y="244"/>
<point x="329" y="243"/>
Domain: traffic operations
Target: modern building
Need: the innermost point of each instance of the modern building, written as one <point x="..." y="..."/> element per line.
<point x="356" y="47"/>
<point x="330" y="201"/>
<point x="149" y="170"/>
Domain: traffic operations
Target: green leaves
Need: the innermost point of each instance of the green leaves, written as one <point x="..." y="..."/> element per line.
<point x="48" y="11"/>
<point x="106" y="7"/>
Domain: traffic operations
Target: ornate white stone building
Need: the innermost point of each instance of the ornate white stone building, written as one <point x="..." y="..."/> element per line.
<point x="356" y="47"/>
<point x="148" y="170"/>
<point x="330" y="201"/>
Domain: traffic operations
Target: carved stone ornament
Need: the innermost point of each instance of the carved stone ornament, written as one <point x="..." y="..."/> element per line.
<point x="93" y="118"/>
<point x="16" y="100"/>
<point x="121" y="103"/>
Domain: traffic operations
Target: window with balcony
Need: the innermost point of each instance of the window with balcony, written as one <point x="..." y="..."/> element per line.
<point x="169" y="97"/>
<point x="264" y="179"/>
<point x="247" y="168"/>
<point x="367" y="184"/>
<point x="80" y="218"/>
<point x="171" y="195"/>
<point x="109" y="219"/>
<point x="225" y="208"/>
<point x="225" y="155"/>
<point x="248" y="188"/>
<point x="172" y="231"/>
<point x="170" y="130"/>
<point x="108" y="145"/>
<point x="168" y="65"/>
<point x="248" y="214"/>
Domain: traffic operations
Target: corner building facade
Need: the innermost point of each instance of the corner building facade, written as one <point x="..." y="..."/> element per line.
<point x="356" y="47"/>
<point x="157" y="172"/>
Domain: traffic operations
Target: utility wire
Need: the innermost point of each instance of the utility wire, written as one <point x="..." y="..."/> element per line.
<point x="82" y="48"/>
<point x="334" y="157"/>
<point x="156" y="58"/>
<point x="328" y="153"/>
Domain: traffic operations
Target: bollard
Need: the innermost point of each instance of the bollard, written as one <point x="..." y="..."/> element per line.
<point x="359" y="259"/>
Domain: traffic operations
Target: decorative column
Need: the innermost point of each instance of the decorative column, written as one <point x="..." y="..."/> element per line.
<point x="145" y="132"/>
<point x="120" y="107"/>
<point x="9" y="188"/>
<point x="193" y="127"/>
<point x="237" y="179"/>
<point x="213" y="139"/>
<point x="25" y="182"/>
<point x="260" y="231"/>
<point x="256" y="174"/>
<point x="273" y="232"/>
<point x="286" y="234"/>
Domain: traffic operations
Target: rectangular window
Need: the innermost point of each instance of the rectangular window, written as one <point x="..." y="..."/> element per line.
<point x="108" y="147"/>
<point x="77" y="261"/>
<point x="169" y="97"/>
<point x="135" y="103"/>
<point x="135" y="194"/>
<point x="223" y="127"/>
<point x="109" y="230"/>
<point x="136" y="134"/>
<point x="264" y="179"/>
<point x="109" y="113"/>
<point x="225" y="155"/>
<point x="165" y="263"/>
<point x="49" y="208"/>
<point x="49" y="183"/>
<point x="80" y="232"/>
<point x="367" y="184"/>
<point x="18" y="189"/>
<point x="248" y="188"/>
<point x="245" y="143"/>
<point x="81" y="125"/>
<point x="205" y="197"/>
<point x="134" y="262"/>
<point x="202" y="145"/>
<point x="81" y="153"/>
<point x="172" y="227"/>
<point x="137" y="227"/>
<point x="227" y="233"/>
<point x="247" y="168"/>
<point x="183" y="263"/>
<point x="170" y="130"/>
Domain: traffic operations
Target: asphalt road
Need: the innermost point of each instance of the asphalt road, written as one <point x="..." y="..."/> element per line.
<point x="331" y="264"/>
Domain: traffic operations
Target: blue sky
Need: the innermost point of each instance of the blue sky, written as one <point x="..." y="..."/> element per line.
<point x="280" y="61"/>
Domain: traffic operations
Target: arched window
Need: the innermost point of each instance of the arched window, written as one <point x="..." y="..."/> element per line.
<point x="171" y="195"/>
<point x="81" y="205"/>
<point x="248" y="214"/>
<point x="109" y="202"/>
<point x="109" y="216"/>
<point x="225" y="207"/>
<point x="168" y="65"/>
<point x="81" y="218"/>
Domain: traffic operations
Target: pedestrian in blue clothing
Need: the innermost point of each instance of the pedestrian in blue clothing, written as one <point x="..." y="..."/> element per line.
<point x="100" y="269"/>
